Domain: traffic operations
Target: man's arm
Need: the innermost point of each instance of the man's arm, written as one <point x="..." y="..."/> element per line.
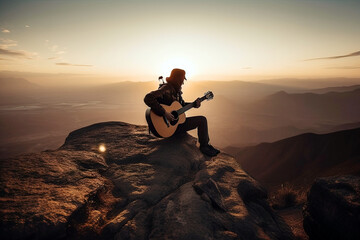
<point x="151" y="100"/>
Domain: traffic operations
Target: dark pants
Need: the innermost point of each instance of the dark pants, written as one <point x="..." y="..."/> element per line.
<point x="198" y="122"/>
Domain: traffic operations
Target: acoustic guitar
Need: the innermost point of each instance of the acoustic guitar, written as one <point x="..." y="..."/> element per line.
<point x="161" y="127"/>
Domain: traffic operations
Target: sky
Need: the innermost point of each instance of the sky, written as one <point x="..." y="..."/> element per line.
<point x="211" y="40"/>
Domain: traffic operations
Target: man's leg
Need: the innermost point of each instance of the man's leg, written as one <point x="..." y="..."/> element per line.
<point x="198" y="122"/>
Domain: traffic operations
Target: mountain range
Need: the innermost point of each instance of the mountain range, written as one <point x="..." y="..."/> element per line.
<point x="34" y="117"/>
<point x="300" y="159"/>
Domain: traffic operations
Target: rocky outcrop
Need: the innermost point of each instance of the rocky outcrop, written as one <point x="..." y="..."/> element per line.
<point x="40" y="192"/>
<point x="140" y="187"/>
<point x="333" y="208"/>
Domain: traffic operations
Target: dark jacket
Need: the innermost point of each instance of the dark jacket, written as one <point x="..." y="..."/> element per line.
<point x="166" y="94"/>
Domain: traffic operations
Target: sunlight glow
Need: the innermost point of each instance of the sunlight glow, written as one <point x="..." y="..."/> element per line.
<point x="102" y="148"/>
<point x="177" y="62"/>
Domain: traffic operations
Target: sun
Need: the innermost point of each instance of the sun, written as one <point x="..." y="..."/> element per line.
<point x="177" y="62"/>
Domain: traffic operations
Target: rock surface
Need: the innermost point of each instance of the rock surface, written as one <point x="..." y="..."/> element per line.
<point x="141" y="187"/>
<point x="333" y="208"/>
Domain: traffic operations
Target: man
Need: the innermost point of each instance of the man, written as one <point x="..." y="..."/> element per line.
<point x="171" y="91"/>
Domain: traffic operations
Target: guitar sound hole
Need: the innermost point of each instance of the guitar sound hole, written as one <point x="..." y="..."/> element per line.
<point x="176" y="116"/>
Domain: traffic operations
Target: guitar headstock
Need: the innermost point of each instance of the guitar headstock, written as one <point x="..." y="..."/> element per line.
<point x="209" y="95"/>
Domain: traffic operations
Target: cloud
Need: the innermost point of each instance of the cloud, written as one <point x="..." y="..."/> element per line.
<point x="4" y="51"/>
<point x="16" y="53"/>
<point x="344" y="67"/>
<point x="354" y="54"/>
<point x="27" y="26"/>
<point x="52" y="58"/>
<point x="5" y="31"/>
<point x="54" y="48"/>
<point x="74" y="65"/>
<point x="6" y="43"/>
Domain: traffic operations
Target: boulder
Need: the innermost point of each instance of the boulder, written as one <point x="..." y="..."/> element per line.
<point x="40" y="192"/>
<point x="212" y="207"/>
<point x="135" y="187"/>
<point x="332" y="210"/>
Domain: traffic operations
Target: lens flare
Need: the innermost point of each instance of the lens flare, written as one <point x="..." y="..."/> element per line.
<point x="102" y="148"/>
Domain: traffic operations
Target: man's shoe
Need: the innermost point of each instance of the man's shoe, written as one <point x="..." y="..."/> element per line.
<point x="216" y="150"/>
<point x="209" y="150"/>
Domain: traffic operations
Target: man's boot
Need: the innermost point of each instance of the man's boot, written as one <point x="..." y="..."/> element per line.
<point x="209" y="150"/>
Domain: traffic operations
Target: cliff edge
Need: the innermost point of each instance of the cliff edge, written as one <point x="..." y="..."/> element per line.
<point x="136" y="187"/>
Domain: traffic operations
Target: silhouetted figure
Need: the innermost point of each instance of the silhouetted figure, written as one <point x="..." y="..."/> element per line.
<point x="170" y="92"/>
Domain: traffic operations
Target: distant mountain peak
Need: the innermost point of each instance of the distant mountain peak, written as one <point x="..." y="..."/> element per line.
<point x="301" y="158"/>
<point x="16" y="83"/>
<point x="282" y="92"/>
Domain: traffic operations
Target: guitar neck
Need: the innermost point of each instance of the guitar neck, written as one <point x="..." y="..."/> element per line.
<point x="189" y="106"/>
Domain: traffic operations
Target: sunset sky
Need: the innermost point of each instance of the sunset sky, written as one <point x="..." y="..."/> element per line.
<point x="215" y="40"/>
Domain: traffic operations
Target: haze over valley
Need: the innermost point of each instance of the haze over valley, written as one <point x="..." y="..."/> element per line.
<point x="36" y="117"/>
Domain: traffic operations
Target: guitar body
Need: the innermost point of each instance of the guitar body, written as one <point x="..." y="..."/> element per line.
<point x="157" y="124"/>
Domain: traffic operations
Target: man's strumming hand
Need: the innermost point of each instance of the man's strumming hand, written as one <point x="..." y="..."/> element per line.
<point x="169" y="116"/>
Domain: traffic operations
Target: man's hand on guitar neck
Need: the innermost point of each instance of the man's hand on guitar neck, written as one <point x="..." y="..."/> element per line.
<point x="197" y="103"/>
<point x="169" y="116"/>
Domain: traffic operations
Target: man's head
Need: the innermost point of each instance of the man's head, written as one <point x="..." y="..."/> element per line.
<point x="177" y="77"/>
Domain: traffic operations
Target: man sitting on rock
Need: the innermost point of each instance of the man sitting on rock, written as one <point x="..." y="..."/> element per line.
<point x="171" y="91"/>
